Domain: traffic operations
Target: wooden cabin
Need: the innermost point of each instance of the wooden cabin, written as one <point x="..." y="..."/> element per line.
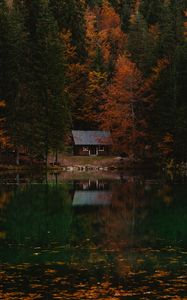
<point x="91" y="143"/>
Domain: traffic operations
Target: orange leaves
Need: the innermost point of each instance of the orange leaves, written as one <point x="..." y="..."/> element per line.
<point x="166" y="145"/>
<point x="122" y="110"/>
<point x="96" y="81"/>
<point x="109" y="18"/>
<point x="4" y="200"/>
<point x="127" y="75"/>
<point x="185" y="25"/>
<point x="154" y="31"/>
<point x="161" y="65"/>
<point x="2" y="103"/>
<point x="95" y="86"/>
<point x="105" y="41"/>
<point x="69" y="50"/>
<point x="4" y="140"/>
<point x="76" y="78"/>
<point x="91" y="33"/>
<point x="168" y="138"/>
<point x="104" y="32"/>
<point x="125" y="86"/>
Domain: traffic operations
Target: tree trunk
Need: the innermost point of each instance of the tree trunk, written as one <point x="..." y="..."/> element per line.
<point x="56" y="178"/>
<point x="46" y="155"/>
<point x="17" y="179"/>
<point x="56" y="157"/>
<point x="133" y="129"/>
<point x="17" y="157"/>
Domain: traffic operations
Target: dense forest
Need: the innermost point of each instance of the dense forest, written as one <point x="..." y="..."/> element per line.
<point x="118" y="65"/>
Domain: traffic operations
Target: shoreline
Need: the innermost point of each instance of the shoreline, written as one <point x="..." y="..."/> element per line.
<point x="77" y="164"/>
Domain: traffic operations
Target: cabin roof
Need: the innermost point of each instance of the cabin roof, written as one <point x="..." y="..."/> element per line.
<point x="82" y="137"/>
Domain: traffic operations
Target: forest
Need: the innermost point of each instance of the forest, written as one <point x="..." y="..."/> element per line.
<point x="118" y="65"/>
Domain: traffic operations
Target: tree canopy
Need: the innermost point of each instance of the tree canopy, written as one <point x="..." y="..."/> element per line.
<point x="119" y="65"/>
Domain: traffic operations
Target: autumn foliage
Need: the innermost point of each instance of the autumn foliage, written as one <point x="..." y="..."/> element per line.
<point x="98" y="64"/>
<point x="123" y="110"/>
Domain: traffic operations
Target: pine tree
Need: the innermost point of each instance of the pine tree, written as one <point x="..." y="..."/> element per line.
<point x="125" y="9"/>
<point x="180" y="92"/>
<point x="48" y="80"/>
<point x="70" y="17"/>
<point x="4" y="139"/>
<point x="168" y="37"/>
<point x="170" y="88"/>
<point x="143" y="44"/>
<point x="4" y="29"/>
<point x="13" y="71"/>
<point x="93" y="3"/>
<point x="151" y="10"/>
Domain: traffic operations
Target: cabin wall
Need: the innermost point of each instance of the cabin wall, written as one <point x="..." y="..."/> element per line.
<point x="91" y="150"/>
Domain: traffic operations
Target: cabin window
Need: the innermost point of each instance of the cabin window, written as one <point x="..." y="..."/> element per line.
<point x="85" y="149"/>
<point x="101" y="148"/>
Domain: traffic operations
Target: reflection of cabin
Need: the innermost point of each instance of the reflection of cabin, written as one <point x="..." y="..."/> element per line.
<point x="91" y="192"/>
<point x="91" y="143"/>
<point x="91" y="185"/>
<point x="84" y="198"/>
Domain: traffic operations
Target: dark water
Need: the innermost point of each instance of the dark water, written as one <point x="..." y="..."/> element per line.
<point x="95" y="237"/>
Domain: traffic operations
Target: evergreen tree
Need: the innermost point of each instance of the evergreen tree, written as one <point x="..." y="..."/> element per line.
<point x="170" y="108"/>
<point x="53" y="52"/>
<point x="168" y="35"/>
<point x="142" y="44"/>
<point x="124" y="8"/>
<point x="93" y="3"/>
<point x="48" y="79"/>
<point x="151" y="10"/>
<point x="70" y="16"/>
<point x="180" y="79"/>
<point x="4" y="29"/>
<point x="13" y="74"/>
<point x="170" y="89"/>
<point x="163" y="118"/>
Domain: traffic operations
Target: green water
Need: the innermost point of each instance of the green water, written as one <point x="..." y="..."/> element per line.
<point x="105" y="237"/>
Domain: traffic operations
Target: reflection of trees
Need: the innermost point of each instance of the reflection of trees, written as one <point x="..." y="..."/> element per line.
<point x="39" y="214"/>
<point x="167" y="215"/>
<point x="94" y="252"/>
<point x="5" y="196"/>
<point x="139" y="215"/>
<point x="120" y="218"/>
<point x="4" y="199"/>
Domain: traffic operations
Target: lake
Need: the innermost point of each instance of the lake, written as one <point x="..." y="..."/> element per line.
<point x="92" y="236"/>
